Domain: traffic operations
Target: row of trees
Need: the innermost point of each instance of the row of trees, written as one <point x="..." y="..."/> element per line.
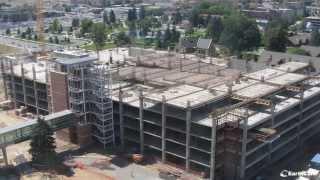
<point x="236" y="32"/>
<point x="167" y="39"/>
<point x="109" y="18"/>
<point x="56" y="27"/>
<point x="239" y="33"/>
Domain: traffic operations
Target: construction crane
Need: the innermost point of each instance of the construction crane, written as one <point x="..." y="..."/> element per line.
<point x="40" y="26"/>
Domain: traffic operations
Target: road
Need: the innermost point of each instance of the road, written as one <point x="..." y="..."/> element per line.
<point x="26" y="44"/>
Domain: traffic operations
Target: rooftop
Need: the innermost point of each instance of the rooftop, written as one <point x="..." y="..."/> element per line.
<point x="39" y="68"/>
<point x="74" y="61"/>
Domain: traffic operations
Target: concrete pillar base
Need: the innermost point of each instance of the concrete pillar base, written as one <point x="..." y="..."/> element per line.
<point x="5" y="156"/>
<point x="81" y="135"/>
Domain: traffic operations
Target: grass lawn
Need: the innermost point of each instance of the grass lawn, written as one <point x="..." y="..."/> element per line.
<point x="91" y="47"/>
<point x="299" y="51"/>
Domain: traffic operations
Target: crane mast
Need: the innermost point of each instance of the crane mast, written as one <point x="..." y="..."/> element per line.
<point x="40" y="25"/>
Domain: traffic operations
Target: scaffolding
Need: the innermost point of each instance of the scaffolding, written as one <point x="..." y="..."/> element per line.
<point x="100" y="79"/>
<point x="90" y="97"/>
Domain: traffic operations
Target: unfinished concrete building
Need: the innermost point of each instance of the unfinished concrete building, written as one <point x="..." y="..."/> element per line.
<point x="198" y="114"/>
<point x="209" y="118"/>
<point x="69" y="81"/>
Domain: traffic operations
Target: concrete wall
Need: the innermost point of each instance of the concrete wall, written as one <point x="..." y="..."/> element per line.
<point x="59" y="91"/>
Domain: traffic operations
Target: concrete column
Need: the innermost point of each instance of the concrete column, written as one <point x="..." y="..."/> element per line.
<point x="188" y="124"/>
<point x="164" y="124"/>
<point x="141" y="122"/>
<point x="4" y="80"/>
<point x="121" y="118"/>
<point x="244" y="145"/>
<point x="35" y="88"/>
<point x="23" y="84"/>
<point x="300" y="116"/>
<point x="83" y="95"/>
<point x="13" y="89"/>
<point x="5" y="156"/>
<point x="180" y="64"/>
<point x="213" y="148"/>
<point x="273" y="107"/>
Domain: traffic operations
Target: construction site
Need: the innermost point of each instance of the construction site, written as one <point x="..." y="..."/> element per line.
<point x="195" y="114"/>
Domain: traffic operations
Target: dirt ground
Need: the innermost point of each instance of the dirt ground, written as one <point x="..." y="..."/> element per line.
<point x="80" y="174"/>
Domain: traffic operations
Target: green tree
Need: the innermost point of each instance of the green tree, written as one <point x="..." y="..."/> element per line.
<point x="167" y="35"/>
<point x="42" y="145"/>
<point x="23" y="35"/>
<point x="145" y="25"/>
<point x="8" y="31"/>
<point x="177" y="18"/>
<point x="56" y="40"/>
<point x="240" y="34"/>
<point x="29" y="37"/>
<point x="112" y="17"/>
<point x="105" y="17"/>
<point x="29" y="30"/>
<point x="98" y="36"/>
<point x="315" y="38"/>
<point x="142" y="13"/>
<point x="70" y="30"/>
<point x="122" y="39"/>
<point x="86" y="26"/>
<point x="215" y="28"/>
<point x="195" y="18"/>
<point x="276" y="37"/>
<point x="55" y="26"/>
<point x="75" y="22"/>
<point x="60" y="29"/>
<point x="175" y="35"/>
<point x="132" y="28"/>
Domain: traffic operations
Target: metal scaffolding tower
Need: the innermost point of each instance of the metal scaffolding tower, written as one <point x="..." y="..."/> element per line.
<point x="90" y="96"/>
<point x="100" y="85"/>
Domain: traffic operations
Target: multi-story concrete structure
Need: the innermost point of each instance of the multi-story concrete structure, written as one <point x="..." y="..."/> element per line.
<point x="198" y="114"/>
<point x="163" y="107"/>
<point x="71" y="81"/>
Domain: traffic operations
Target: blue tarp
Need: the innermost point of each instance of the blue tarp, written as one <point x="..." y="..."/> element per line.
<point x="316" y="159"/>
<point x="315" y="162"/>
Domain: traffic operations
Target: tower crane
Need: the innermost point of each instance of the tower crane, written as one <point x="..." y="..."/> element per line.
<point x="40" y="25"/>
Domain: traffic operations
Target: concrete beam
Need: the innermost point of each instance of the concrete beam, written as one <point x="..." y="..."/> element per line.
<point x="164" y="124"/>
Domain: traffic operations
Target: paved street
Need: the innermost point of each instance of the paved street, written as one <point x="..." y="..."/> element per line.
<point x="26" y="44"/>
